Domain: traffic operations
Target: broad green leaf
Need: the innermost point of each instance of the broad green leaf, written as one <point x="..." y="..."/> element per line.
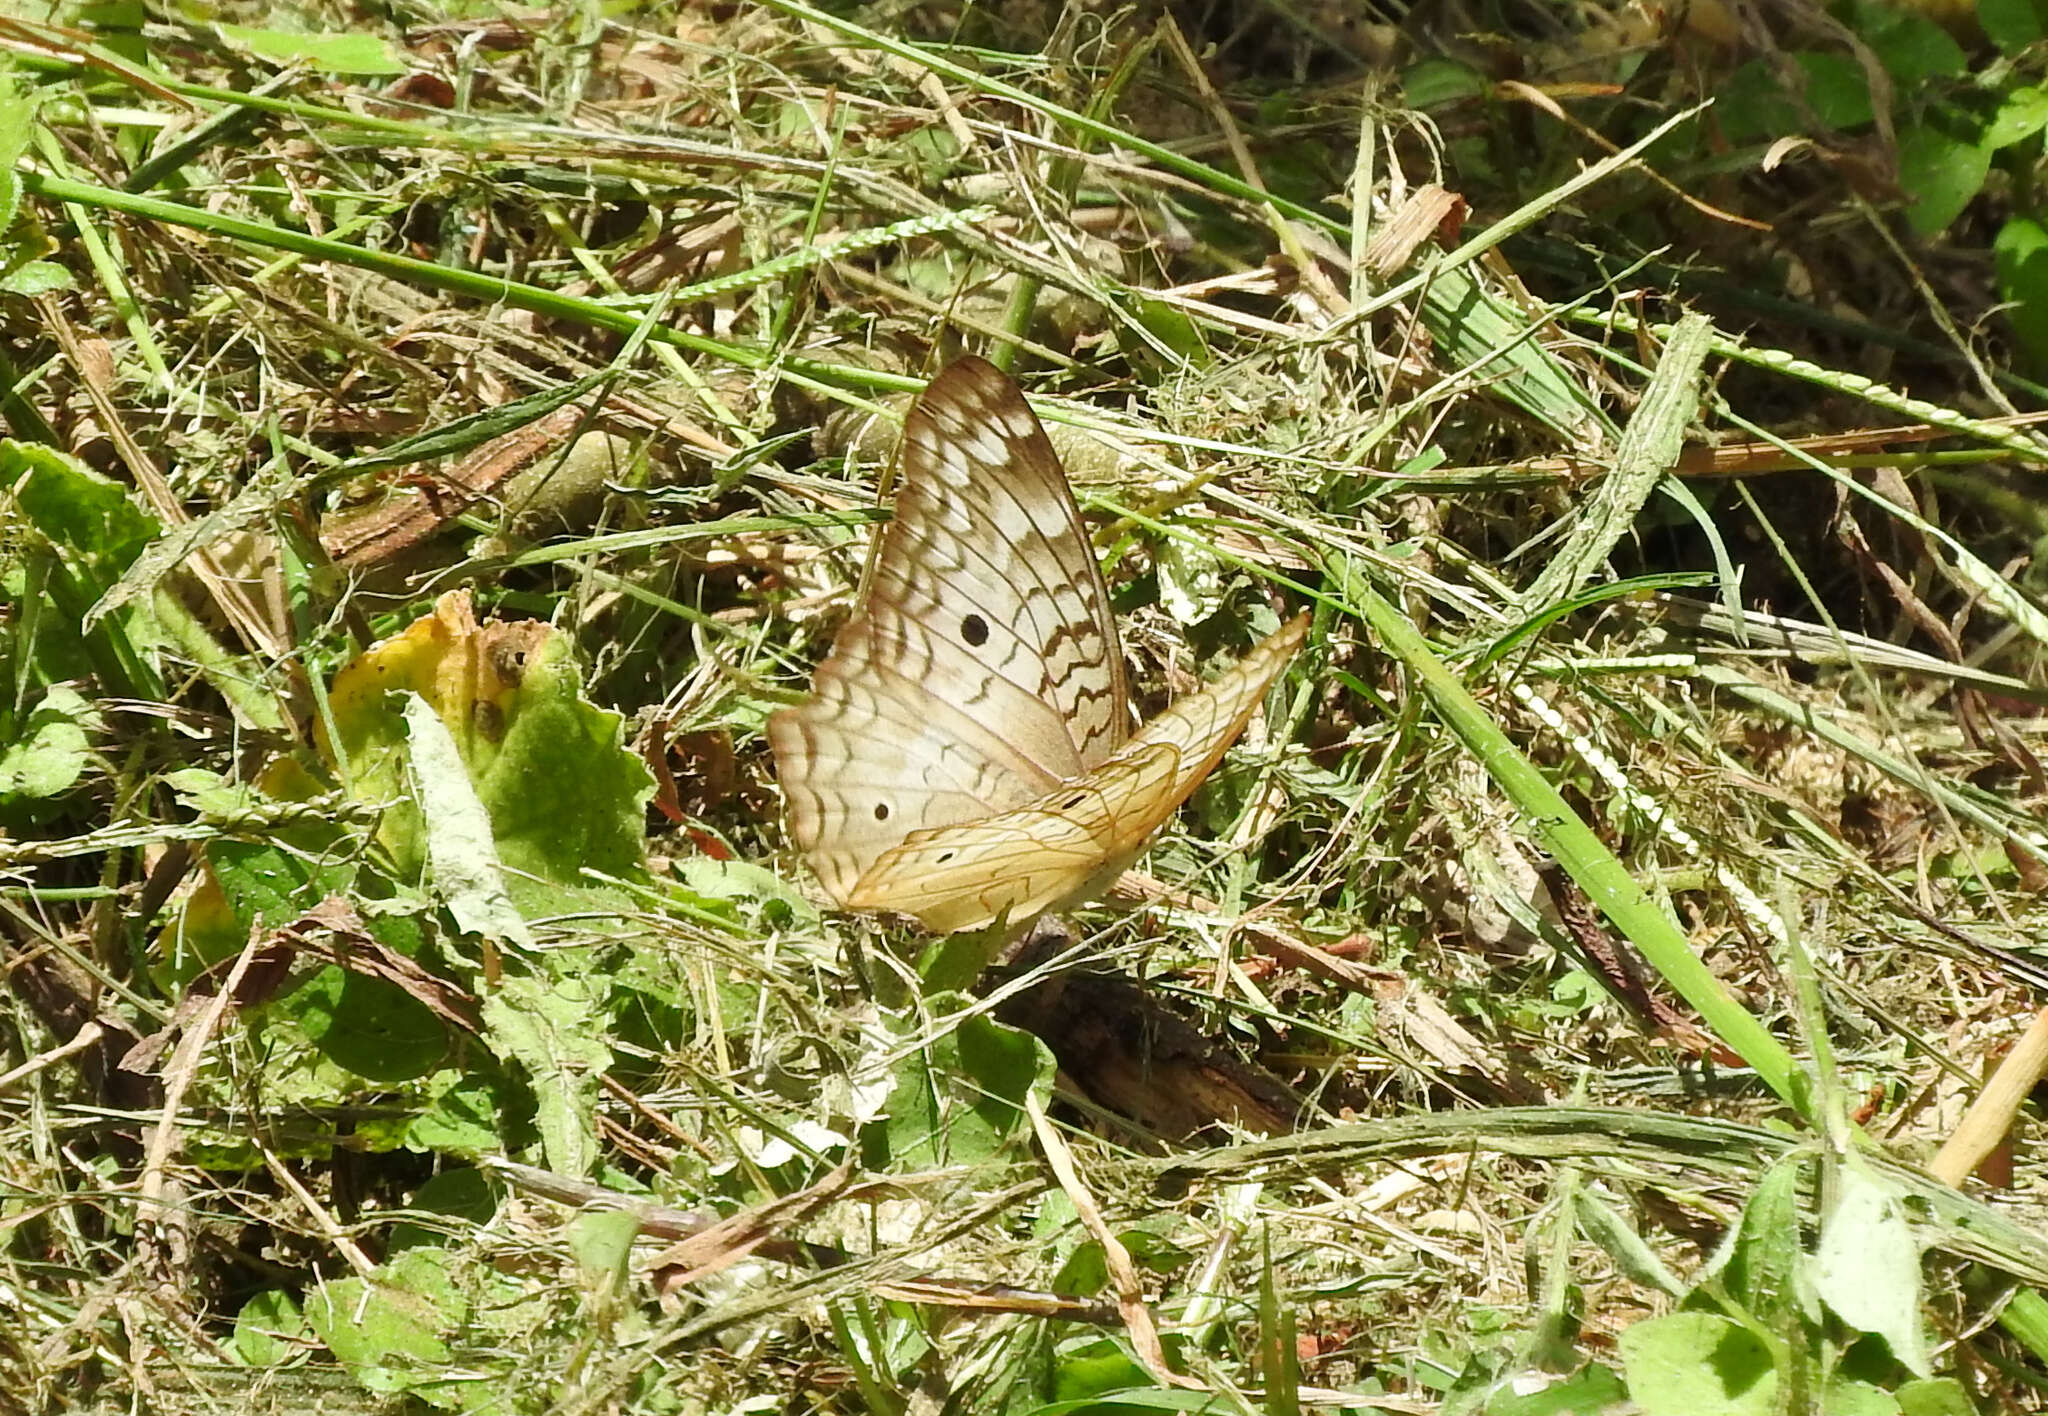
<point x="460" y="852"/>
<point x="1753" y="107"/>
<point x="36" y="277"/>
<point x="370" y="1026"/>
<point x="49" y="752"/>
<point x="557" y="1032"/>
<point x="247" y="884"/>
<point x="270" y="1330"/>
<point x="1172" y="328"/>
<point x="1867" y="1266"/>
<point x="2021" y="248"/>
<point x="1595" y="1389"/>
<point x="71" y="534"/>
<point x="465" y="1118"/>
<point x="1938" y="1396"/>
<point x="1093" y="1368"/>
<point x="367" y="1324"/>
<point x="92" y="518"/>
<point x="362" y="54"/>
<point x="1766" y="1251"/>
<point x="1434" y="82"/>
<point x="17" y="127"/>
<point x="960" y="1099"/>
<point x="1849" y="1398"/>
<point x="465" y="1196"/>
<point x="1698" y="1364"/>
<point x="552" y="771"/>
<point x="1941" y="172"/>
<point x="721" y="886"/>
<point x="1836" y="89"/>
<point x="1911" y="47"/>
<point x="602" y="1241"/>
<point x="2022" y="113"/>
<point x="2012" y="25"/>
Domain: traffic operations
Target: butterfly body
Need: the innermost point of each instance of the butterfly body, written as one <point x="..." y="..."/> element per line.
<point x="962" y="757"/>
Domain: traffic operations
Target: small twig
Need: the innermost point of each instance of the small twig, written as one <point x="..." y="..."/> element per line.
<point x="84" y="1038"/>
<point x="1123" y="1274"/>
<point x="1985" y="1126"/>
<point x="154" y="1219"/>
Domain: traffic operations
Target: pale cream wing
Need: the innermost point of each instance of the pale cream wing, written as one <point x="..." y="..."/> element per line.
<point x="983" y="666"/>
<point x="987" y="575"/>
<point x="1071" y="842"/>
<point x="872" y="756"/>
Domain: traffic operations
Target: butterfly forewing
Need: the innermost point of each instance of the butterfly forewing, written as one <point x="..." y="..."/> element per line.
<point x="986" y="554"/>
<point x="1068" y="844"/>
<point x="983" y="666"/>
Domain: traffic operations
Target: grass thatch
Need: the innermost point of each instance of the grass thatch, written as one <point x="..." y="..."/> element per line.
<point x="1551" y="1003"/>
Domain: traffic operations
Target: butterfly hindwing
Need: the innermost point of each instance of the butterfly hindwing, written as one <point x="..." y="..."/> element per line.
<point x="1068" y="844"/>
<point x="872" y="757"/>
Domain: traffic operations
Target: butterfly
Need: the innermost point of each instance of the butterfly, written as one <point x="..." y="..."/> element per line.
<point x="963" y="756"/>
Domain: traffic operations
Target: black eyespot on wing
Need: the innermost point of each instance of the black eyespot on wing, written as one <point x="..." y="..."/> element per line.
<point x="946" y="856"/>
<point x="1073" y="801"/>
<point x="974" y="629"/>
<point x="881" y="811"/>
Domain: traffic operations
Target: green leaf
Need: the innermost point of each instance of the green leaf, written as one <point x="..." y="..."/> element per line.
<point x="465" y="1196"/>
<point x="1482" y="332"/>
<point x="2021" y="251"/>
<point x="602" y="1241"/>
<point x="1867" y="1266"/>
<point x="81" y="512"/>
<point x="552" y="771"/>
<point x="464" y="1119"/>
<point x="36" y="278"/>
<point x="1752" y="106"/>
<point x="1594" y="1389"/>
<point x="1938" y="1396"/>
<point x="460" y="852"/>
<point x="557" y="1031"/>
<point x="364" y="54"/>
<point x="1095" y="1367"/>
<point x="1836" y="89"/>
<point x="1911" y="47"/>
<point x="49" y="753"/>
<point x="269" y="1330"/>
<point x="1765" y="1253"/>
<point x="564" y="792"/>
<point x="370" y="1026"/>
<point x="960" y="1100"/>
<point x="1941" y="172"/>
<point x="17" y="130"/>
<point x="720" y="885"/>
<point x="368" y="1324"/>
<point x="1851" y="1398"/>
<point x="1435" y="82"/>
<point x="1173" y="328"/>
<point x="263" y="883"/>
<point x="1698" y="1364"/>
<point x="2021" y="113"/>
<point x="2012" y="25"/>
<point x="452" y="439"/>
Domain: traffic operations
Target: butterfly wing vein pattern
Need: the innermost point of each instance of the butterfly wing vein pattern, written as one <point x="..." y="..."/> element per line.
<point x="961" y="757"/>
